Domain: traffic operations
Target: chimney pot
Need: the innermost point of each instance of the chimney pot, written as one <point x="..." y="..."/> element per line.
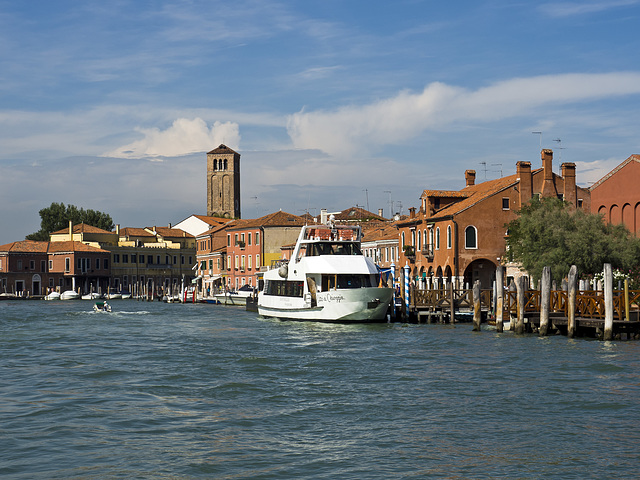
<point x="470" y="177"/>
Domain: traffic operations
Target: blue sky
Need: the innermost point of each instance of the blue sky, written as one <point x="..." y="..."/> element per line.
<point x="112" y="105"/>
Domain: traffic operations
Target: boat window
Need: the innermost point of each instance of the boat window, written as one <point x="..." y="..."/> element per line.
<point x="284" y="288"/>
<point x="345" y="281"/>
<point x="333" y="248"/>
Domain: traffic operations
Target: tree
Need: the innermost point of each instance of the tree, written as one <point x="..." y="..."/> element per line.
<point x="548" y="232"/>
<point x="57" y="216"/>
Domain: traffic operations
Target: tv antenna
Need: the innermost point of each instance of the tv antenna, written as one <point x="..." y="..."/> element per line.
<point x="559" y="148"/>
<point x="484" y="167"/>
<point x="390" y="203"/>
<point x="540" y="134"/>
<point x="367" y="193"/>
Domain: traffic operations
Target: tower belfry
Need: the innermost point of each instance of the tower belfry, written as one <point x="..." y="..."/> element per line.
<point x="223" y="183"/>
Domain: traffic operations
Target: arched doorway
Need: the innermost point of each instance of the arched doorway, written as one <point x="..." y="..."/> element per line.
<point x="481" y="269"/>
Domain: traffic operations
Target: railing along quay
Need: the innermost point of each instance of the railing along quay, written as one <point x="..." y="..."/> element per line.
<point x="603" y="313"/>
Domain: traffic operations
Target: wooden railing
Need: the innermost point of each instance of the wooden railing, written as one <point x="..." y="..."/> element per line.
<point x="589" y="303"/>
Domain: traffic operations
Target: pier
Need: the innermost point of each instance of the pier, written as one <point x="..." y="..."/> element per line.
<point x="605" y="314"/>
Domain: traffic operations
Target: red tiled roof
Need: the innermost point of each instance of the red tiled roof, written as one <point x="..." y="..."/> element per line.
<point x="276" y="219"/>
<point x="25" y="246"/>
<point x="61" y="247"/>
<point x="167" y="232"/>
<point x="445" y="194"/>
<point x="222" y="149"/>
<point x="477" y="193"/>
<point x="134" y="232"/>
<point x="81" y="228"/>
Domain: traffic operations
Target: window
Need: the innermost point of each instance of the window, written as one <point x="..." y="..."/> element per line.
<point x="67" y="264"/>
<point x="158" y="259"/>
<point x="505" y="203"/>
<point x="116" y="258"/>
<point x="403" y="240"/>
<point x="235" y="239"/>
<point x="257" y="238"/>
<point x="175" y="259"/>
<point x="470" y="237"/>
<point x="133" y="258"/>
<point x="20" y="265"/>
<point x="249" y="260"/>
<point x="249" y="238"/>
<point x="449" y="236"/>
<point x="211" y="264"/>
<point x="32" y="264"/>
<point x="105" y="263"/>
<point x="228" y="239"/>
<point x="419" y="241"/>
<point x="51" y="264"/>
<point x="97" y="264"/>
<point x="150" y="259"/>
<point x="236" y="262"/>
<point x="438" y="238"/>
<point x="242" y="259"/>
<point x="579" y="203"/>
<point x="257" y="258"/>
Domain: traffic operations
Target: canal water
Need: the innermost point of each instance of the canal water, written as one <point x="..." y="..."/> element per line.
<point x="171" y="391"/>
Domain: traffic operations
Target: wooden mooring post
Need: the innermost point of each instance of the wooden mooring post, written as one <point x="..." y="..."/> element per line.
<point x="499" y="298"/>
<point x="545" y="300"/>
<point x="520" y="305"/>
<point x="477" y="314"/>
<point x="571" y="301"/>
<point x="608" y="302"/>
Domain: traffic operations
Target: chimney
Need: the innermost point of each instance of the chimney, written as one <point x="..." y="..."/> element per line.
<point x="548" y="186"/>
<point x="169" y="226"/>
<point x="412" y="212"/>
<point x="470" y="177"/>
<point x="569" y="176"/>
<point x="323" y="216"/>
<point x="380" y="212"/>
<point x="523" y="170"/>
<point x="118" y="230"/>
<point x="71" y="230"/>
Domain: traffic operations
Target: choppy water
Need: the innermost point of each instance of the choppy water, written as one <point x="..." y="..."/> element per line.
<point x="202" y="391"/>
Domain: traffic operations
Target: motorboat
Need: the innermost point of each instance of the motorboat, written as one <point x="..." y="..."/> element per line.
<point x="235" y="297"/>
<point x="102" y="307"/>
<point x="91" y="296"/>
<point x="70" y="295"/>
<point x="52" y="296"/>
<point x="327" y="279"/>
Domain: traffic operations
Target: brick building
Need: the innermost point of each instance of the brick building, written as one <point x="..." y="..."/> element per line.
<point x="460" y="235"/>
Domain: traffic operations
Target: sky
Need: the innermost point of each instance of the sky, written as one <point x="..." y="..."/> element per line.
<point x="112" y="106"/>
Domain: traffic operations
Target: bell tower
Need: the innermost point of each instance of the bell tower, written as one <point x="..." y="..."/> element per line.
<point x="223" y="183"/>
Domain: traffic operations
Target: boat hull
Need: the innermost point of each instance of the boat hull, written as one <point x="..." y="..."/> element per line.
<point x="239" y="300"/>
<point x="339" y="306"/>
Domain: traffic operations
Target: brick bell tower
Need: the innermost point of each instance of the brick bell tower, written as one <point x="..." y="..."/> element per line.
<point x="223" y="183"/>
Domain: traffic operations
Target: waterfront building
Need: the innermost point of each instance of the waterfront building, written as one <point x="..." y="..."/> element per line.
<point x="380" y="243"/>
<point x="78" y="266"/>
<point x="211" y="254"/>
<point x="24" y="268"/>
<point x="459" y="236"/>
<point x="616" y="195"/>
<point x="223" y="183"/>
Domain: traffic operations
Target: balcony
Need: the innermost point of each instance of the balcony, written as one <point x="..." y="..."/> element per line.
<point x="427" y="252"/>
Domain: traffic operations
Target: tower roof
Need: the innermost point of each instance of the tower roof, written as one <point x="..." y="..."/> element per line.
<point x="222" y="149"/>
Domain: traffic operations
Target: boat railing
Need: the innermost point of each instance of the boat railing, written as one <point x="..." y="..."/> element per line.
<point x="278" y="263"/>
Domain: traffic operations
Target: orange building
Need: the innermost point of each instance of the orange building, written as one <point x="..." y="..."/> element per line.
<point x="460" y="235"/>
<point x="616" y="196"/>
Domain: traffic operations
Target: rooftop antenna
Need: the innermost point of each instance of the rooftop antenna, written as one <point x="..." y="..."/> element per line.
<point x="484" y="166"/>
<point x="256" y="200"/>
<point x="367" y="193"/>
<point x="559" y="148"/>
<point x="391" y="212"/>
<point x="539" y="133"/>
<point x="498" y="165"/>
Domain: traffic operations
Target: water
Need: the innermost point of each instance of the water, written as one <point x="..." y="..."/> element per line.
<point x="170" y="391"/>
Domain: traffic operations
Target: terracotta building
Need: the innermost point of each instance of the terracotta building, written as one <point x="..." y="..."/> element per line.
<point x="460" y="235"/>
<point x="24" y="268"/>
<point x="616" y="196"/>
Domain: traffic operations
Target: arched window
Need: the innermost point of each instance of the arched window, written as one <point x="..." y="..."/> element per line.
<point x="220" y="164"/>
<point x="225" y="164"/>
<point x="449" y="236"/>
<point x="413" y="238"/>
<point x="403" y="242"/>
<point x="425" y="239"/>
<point x="438" y="238"/>
<point x="419" y="238"/>
<point x="215" y="164"/>
<point x="470" y="237"/>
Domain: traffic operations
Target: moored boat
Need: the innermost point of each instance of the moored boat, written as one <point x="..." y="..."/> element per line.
<point x="237" y="297"/>
<point x="328" y="279"/>
<point x="70" y="295"/>
<point x="52" y="296"/>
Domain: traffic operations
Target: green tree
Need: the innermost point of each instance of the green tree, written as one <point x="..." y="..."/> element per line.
<point x="57" y="216"/>
<point x="549" y="232"/>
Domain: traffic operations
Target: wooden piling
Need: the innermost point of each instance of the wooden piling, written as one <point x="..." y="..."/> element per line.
<point x="571" y="301"/>
<point x="520" y="295"/>
<point x="608" y="302"/>
<point x="477" y="317"/>
<point x="452" y="302"/>
<point x="499" y="298"/>
<point x="626" y="300"/>
<point x="545" y="300"/>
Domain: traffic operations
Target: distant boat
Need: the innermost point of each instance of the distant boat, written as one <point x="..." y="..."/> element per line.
<point x="52" y="296"/>
<point x="238" y="297"/>
<point x="102" y="307"/>
<point x="70" y="295"/>
<point x="91" y="296"/>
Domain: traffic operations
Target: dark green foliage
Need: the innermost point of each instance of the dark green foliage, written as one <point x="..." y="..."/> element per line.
<point x="549" y="232"/>
<point x="57" y="216"/>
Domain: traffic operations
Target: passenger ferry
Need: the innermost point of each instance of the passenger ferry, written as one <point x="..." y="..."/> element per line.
<point x="327" y="279"/>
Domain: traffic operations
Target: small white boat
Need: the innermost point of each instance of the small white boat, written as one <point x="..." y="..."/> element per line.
<point x="91" y="296"/>
<point x="328" y="279"/>
<point x="238" y="297"/>
<point x="102" y="307"/>
<point x="70" y="295"/>
<point x="52" y="296"/>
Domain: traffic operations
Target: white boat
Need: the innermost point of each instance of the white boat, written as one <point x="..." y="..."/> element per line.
<point x="328" y="279"/>
<point x="69" y="295"/>
<point x="52" y="296"/>
<point x="238" y="297"/>
<point x="91" y="296"/>
<point x="102" y="307"/>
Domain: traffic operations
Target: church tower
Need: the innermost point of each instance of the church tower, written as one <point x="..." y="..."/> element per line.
<point x="223" y="183"/>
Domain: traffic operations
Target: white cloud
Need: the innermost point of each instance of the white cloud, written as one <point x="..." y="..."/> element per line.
<point x="347" y="130"/>
<point x="183" y="137"/>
